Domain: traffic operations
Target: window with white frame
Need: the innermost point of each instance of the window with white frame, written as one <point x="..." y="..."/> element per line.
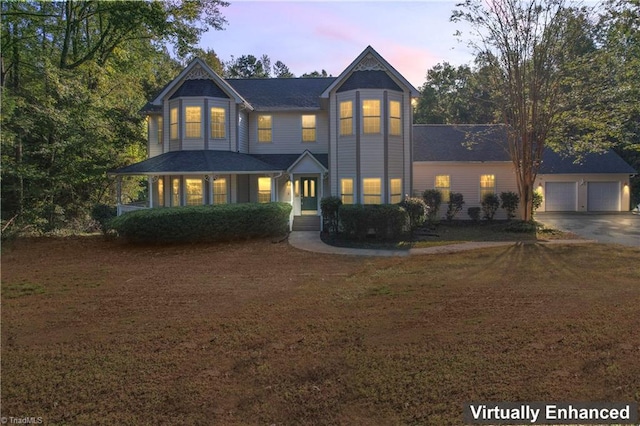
<point x="346" y="191"/>
<point x="264" y="189"/>
<point x="395" y="191"/>
<point x="487" y="185"/>
<point x="371" y="191"/>
<point x="193" y="122"/>
<point x="371" y="116"/>
<point x="217" y="119"/>
<point x="309" y="128"/>
<point x="346" y="118"/>
<point x="193" y="193"/>
<point x="395" y="118"/>
<point x="443" y="184"/>
<point x="264" y="128"/>
<point x="220" y="191"/>
<point x="175" y="192"/>
<point x="173" y="123"/>
<point x="160" y="123"/>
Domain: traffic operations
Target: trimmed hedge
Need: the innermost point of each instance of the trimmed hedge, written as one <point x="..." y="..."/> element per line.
<point x="204" y="223"/>
<point x="388" y="221"/>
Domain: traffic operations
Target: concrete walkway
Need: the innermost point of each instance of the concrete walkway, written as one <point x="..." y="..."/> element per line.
<point x="310" y="241"/>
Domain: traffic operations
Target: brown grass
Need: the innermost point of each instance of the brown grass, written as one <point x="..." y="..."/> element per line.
<point x="97" y="332"/>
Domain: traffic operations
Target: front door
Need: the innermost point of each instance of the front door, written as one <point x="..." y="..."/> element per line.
<point x="309" y="194"/>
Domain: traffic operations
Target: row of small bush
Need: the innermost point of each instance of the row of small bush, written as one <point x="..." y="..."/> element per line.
<point x="204" y="223"/>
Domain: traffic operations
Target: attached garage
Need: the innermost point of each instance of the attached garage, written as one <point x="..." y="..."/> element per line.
<point x="560" y="196"/>
<point x="603" y="196"/>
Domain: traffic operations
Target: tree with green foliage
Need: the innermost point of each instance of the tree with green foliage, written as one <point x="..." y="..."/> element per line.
<point x="455" y="204"/>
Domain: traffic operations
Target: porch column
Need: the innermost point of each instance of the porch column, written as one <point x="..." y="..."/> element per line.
<point x="119" y="195"/>
<point x="292" y="190"/>
<point x="274" y="189"/>
<point x="151" y="191"/>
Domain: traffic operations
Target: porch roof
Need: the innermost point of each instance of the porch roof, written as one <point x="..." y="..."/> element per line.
<point x="211" y="161"/>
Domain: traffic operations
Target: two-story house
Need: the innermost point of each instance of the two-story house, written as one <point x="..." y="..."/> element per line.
<point x="215" y="141"/>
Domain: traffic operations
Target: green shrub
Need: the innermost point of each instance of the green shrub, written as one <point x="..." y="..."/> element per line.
<point x="204" y="223"/>
<point x="474" y="213"/>
<point x="509" y="202"/>
<point x="416" y="209"/>
<point x="433" y="200"/>
<point x="490" y="205"/>
<point x="523" y="227"/>
<point x="388" y="221"/>
<point x="103" y="214"/>
<point x="537" y="201"/>
<point x="456" y="201"/>
<point x="329" y="207"/>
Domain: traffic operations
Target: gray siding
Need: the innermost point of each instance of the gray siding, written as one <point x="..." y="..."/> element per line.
<point x="286" y="133"/>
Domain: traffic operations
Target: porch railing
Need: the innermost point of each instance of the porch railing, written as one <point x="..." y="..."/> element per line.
<point x="125" y="208"/>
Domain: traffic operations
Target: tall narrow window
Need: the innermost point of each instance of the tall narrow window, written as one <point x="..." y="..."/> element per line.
<point x="264" y="189"/>
<point x="220" y="191"/>
<point x="160" y="129"/>
<point x="395" y="191"/>
<point x="175" y="192"/>
<point x="371" y="116"/>
<point x="193" y="121"/>
<point x="371" y="191"/>
<point x="346" y="118"/>
<point x="218" y="121"/>
<point x="160" y="193"/>
<point x="443" y="184"/>
<point x="308" y="128"/>
<point x="173" y="123"/>
<point x="346" y="191"/>
<point x="193" y="192"/>
<point x="395" y="118"/>
<point x="487" y="185"/>
<point x="264" y="128"/>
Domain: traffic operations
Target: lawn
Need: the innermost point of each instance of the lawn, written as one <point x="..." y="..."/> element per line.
<point x="98" y="332"/>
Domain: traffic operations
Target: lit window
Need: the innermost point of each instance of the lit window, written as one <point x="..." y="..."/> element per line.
<point x="264" y="128"/>
<point x="371" y="116"/>
<point x="395" y="127"/>
<point x="346" y="191"/>
<point x="173" y="123"/>
<point x="346" y="118"/>
<point x="220" y="191"/>
<point x="264" y="190"/>
<point x="175" y="192"/>
<point x="308" y="128"/>
<point x="371" y="191"/>
<point x="443" y="184"/>
<point x="160" y="129"/>
<point x="218" y="123"/>
<point x="194" y="192"/>
<point x="193" y="121"/>
<point x="487" y="185"/>
<point x="160" y="193"/>
<point x="395" y="190"/>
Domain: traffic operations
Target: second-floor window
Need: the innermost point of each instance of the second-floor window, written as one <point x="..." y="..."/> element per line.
<point x="193" y="121"/>
<point x="264" y="128"/>
<point x="173" y="123"/>
<point x="371" y="116"/>
<point x="160" y="129"/>
<point x="346" y="118"/>
<point x="308" y="128"/>
<point x="217" y="117"/>
<point x="395" y="119"/>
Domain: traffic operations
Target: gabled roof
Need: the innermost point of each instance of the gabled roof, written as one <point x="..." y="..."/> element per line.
<point x="370" y="59"/>
<point x="488" y="142"/>
<point x="198" y="66"/>
<point x="467" y="142"/>
<point x="282" y="93"/>
<point x="211" y="161"/>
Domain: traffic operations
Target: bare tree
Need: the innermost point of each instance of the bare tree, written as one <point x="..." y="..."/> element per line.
<point x="525" y="43"/>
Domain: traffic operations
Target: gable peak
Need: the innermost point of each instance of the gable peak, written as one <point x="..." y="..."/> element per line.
<point x="197" y="73"/>
<point x="370" y="63"/>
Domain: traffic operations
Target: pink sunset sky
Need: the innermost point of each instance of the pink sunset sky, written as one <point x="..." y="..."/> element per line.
<point x="315" y="35"/>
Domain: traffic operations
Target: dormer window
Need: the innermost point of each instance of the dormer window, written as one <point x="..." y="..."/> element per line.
<point x="264" y="128"/>
<point x="173" y="123"/>
<point x="371" y="116"/>
<point x="218" y="121"/>
<point x="308" y="128"/>
<point x="193" y="122"/>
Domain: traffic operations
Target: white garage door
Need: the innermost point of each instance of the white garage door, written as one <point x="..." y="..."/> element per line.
<point x="603" y="196"/>
<point x="560" y="196"/>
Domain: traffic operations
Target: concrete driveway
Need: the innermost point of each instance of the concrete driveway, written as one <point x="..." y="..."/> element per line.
<point x="614" y="228"/>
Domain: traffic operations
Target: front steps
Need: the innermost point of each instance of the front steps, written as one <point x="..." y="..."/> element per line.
<point x="306" y="223"/>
